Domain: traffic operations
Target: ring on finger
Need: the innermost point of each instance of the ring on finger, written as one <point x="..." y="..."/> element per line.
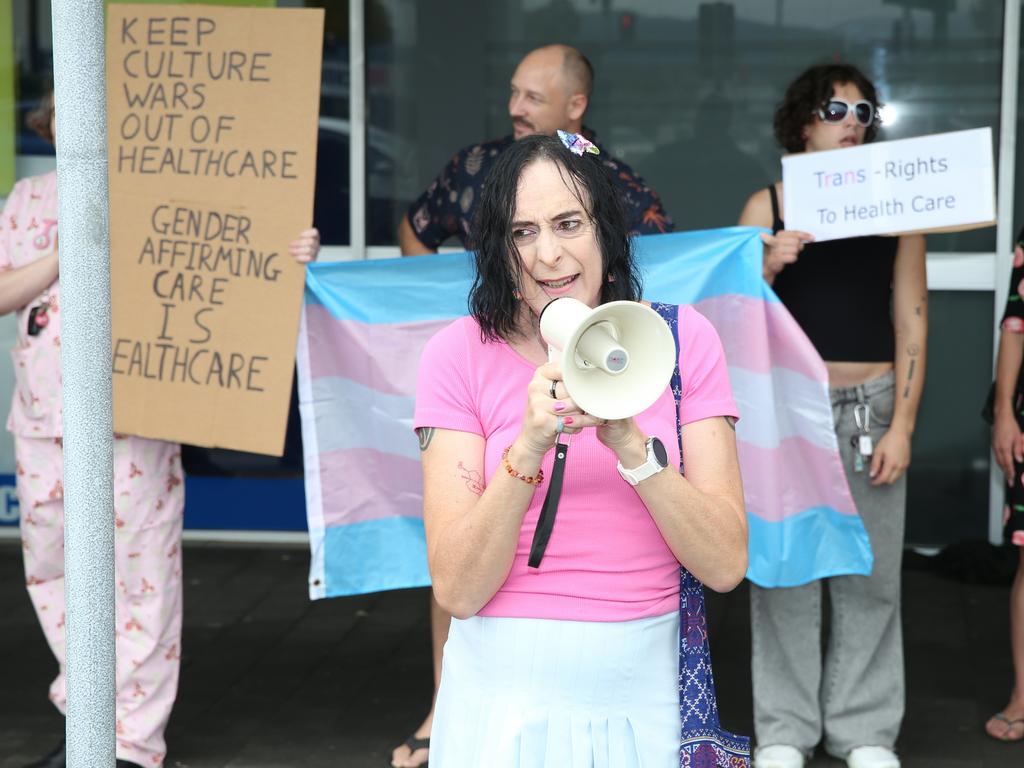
<point x="552" y="390"/>
<point x="559" y="425"/>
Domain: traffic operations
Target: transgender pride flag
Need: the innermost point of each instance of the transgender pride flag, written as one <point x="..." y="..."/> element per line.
<point x="365" y="324"/>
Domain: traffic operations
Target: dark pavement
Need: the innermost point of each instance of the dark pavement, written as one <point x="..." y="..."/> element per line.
<point x="272" y="679"/>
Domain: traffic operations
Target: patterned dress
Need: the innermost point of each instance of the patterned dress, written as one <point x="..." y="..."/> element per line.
<point x="148" y="502"/>
<point x="447" y="206"/>
<point x="1013" y="322"/>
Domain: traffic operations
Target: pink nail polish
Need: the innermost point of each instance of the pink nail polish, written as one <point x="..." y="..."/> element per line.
<point x="559" y="406"/>
<point x="567" y="420"/>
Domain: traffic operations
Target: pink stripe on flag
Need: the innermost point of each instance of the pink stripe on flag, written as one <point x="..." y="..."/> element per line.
<point x="360" y="484"/>
<point x="787" y="480"/>
<point x="759" y="335"/>
<point x="384" y="357"/>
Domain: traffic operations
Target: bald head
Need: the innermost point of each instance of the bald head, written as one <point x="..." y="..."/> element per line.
<point x="550" y="90"/>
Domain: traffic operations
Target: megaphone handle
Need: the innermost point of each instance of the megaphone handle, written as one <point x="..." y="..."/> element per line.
<point x="552" y="354"/>
<point x="546" y="521"/>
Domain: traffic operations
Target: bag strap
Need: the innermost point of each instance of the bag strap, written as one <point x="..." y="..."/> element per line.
<point x="698" y="705"/>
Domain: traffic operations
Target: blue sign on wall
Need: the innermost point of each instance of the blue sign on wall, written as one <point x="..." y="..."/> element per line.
<point x="216" y="503"/>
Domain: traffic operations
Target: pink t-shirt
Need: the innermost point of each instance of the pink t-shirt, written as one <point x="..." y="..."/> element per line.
<point x="606" y="559"/>
<point x="28" y="231"/>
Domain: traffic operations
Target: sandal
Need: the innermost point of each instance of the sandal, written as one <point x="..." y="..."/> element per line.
<point x="413" y="744"/>
<point x="1011" y="725"/>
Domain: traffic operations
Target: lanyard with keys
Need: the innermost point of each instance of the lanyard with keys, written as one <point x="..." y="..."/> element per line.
<point x="863" y="446"/>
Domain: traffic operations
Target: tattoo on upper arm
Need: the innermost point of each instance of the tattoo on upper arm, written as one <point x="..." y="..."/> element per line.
<point x="474" y="479"/>
<point x="731" y="422"/>
<point x="425" y="434"/>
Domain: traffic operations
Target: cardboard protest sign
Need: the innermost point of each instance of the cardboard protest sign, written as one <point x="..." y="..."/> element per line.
<point x="939" y="183"/>
<point x="212" y="123"/>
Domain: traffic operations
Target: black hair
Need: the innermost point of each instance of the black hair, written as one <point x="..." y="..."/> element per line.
<point x="809" y="93"/>
<point x="492" y="299"/>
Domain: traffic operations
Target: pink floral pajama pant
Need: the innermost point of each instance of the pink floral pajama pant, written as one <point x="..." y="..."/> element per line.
<point x="148" y="506"/>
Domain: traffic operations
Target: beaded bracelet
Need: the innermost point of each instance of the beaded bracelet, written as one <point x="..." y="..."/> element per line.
<point x="535" y="480"/>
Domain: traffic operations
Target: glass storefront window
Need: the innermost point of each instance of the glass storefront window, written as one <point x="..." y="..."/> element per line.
<point x="34" y="72"/>
<point x="1018" y="197"/>
<point x="947" y="483"/>
<point x="331" y="201"/>
<point x="33" y="65"/>
<point x="684" y="92"/>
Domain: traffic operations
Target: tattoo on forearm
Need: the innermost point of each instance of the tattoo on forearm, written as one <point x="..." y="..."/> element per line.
<point x="474" y="479"/>
<point x="913" y="349"/>
<point x="425" y="434"/>
<point x="910" y="376"/>
<point x="731" y="422"/>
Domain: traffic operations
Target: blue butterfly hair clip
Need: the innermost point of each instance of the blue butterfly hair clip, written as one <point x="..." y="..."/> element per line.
<point x="577" y="144"/>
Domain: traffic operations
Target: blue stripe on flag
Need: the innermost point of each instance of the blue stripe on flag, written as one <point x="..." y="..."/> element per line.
<point x="716" y="262"/>
<point x="687" y="267"/>
<point x="404" y="290"/>
<point x="375" y="555"/>
<point x="817" y="542"/>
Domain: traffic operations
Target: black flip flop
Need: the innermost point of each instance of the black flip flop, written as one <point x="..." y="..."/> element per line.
<point x="1010" y="725"/>
<point x="414" y="743"/>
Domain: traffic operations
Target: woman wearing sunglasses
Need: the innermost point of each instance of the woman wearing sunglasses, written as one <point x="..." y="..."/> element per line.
<point x="863" y="303"/>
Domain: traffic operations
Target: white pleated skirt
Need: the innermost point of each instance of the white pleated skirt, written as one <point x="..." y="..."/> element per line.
<point x="527" y="693"/>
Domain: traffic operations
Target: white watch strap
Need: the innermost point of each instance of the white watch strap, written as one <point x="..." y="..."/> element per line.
<point x="649" y="468"/>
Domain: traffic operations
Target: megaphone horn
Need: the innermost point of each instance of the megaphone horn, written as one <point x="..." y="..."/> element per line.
<point x="616" y="359"/>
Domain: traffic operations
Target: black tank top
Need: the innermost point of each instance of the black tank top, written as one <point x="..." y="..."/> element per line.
<point x="840" y="292"/>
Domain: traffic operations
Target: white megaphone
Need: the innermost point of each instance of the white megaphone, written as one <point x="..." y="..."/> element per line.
<point x="616" y="359"/>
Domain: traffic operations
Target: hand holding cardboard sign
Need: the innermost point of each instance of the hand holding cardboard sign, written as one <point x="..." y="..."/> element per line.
<point x="781" y="249"/>
<point x="306" y="247"/>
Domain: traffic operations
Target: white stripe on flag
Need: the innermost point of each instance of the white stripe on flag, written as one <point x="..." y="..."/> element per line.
<point x="350" y="415"/>
<point x="780" y="405"/>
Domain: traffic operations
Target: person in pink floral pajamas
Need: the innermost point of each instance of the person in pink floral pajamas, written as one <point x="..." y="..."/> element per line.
<point x="149" y="491"/>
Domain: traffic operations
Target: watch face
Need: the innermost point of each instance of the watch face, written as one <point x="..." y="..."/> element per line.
<point x="660" y="454"/>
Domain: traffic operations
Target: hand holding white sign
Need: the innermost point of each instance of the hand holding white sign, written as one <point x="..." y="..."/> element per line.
<point x="781" y="249"/>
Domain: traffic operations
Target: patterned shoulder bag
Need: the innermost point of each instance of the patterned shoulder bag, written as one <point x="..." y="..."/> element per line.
<point x="703" y="744"/>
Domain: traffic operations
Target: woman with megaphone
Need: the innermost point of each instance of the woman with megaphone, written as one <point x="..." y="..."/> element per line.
<point x="566" y="639"/>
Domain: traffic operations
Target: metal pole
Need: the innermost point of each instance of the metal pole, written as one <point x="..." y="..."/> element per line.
<point x="80" y="91"/>
<point x="1004" y="223"/>
<point x="357" y="129"/>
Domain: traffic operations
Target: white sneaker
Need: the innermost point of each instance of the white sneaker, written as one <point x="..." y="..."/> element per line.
<point x="778" y="756"/>
<point x="872" y="757"/>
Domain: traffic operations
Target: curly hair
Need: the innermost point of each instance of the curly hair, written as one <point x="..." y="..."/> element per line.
<point x="811" y="91"/>
<point x="39" y="119"/>
<point x="492" y="299"/>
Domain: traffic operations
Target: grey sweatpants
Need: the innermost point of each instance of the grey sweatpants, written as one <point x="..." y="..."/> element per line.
<point x="856" y="694"/>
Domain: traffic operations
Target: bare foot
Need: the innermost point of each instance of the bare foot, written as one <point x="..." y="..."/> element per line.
<point x="412" y="753"/>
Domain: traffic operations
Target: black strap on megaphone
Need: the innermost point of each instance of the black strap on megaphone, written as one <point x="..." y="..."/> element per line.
<point x="546" y="521"/>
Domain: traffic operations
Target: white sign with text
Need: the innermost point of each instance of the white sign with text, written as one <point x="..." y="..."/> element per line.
<point x="942" y="182"/>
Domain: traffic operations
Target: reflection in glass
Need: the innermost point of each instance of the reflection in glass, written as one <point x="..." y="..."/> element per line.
<point x="33" y="65"/>
<point x="947" y="484"/>
<point x="684" y="92"/>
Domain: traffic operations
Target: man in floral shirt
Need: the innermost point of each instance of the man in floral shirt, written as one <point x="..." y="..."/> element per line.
<point x="550" y="90"/>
